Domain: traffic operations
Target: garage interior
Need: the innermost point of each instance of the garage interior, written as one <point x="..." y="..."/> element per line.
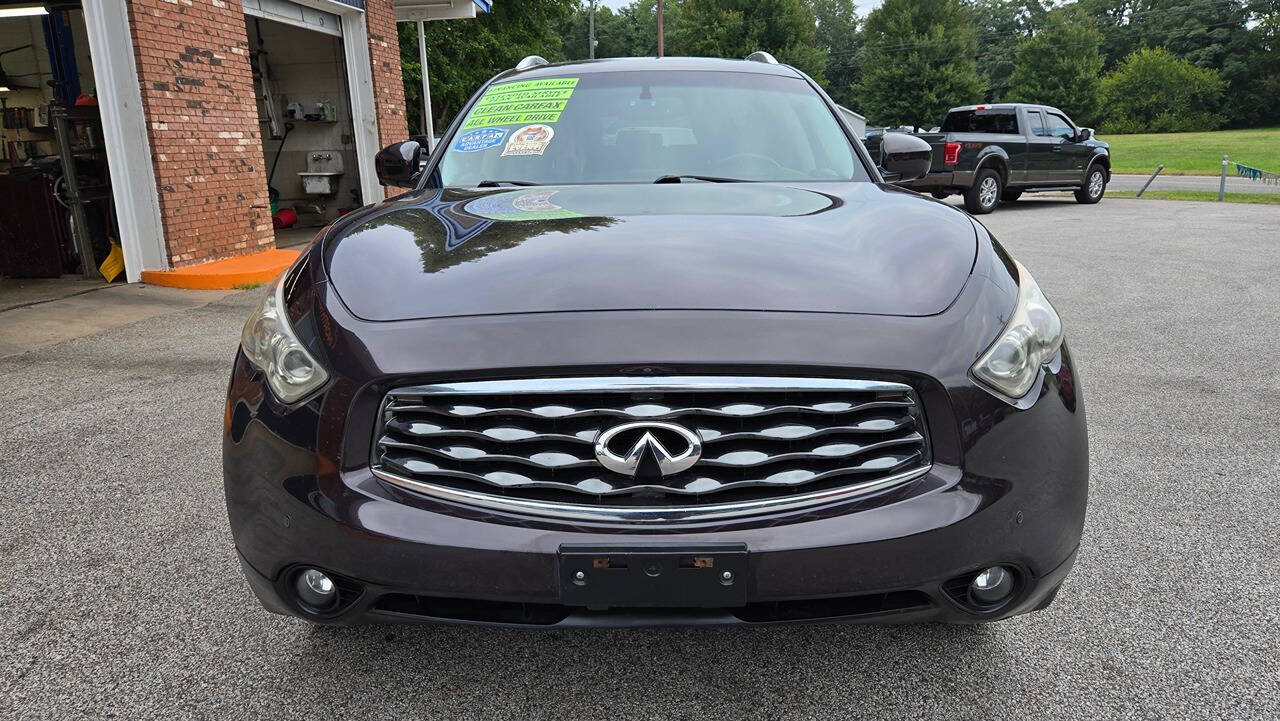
<point x="57" y="219"/>
<point x="308" y="135"/>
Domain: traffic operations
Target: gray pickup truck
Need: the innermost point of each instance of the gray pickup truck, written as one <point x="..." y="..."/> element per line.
<point x="989" y="153"/>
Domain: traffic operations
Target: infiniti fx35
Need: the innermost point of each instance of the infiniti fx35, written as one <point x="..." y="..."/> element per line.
<point x="652" y="341"/>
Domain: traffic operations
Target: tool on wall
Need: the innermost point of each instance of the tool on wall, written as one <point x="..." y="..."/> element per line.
<point x="264" y="77"/>
<point x="272" y="193"/>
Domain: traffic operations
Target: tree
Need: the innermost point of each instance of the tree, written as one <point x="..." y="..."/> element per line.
<point x="619" y="34"/>
<point x="1205" y="33"/>
<point x="1212" y="34"/>
<point x="838" y="35"/>
<point x="918" y="62"/>
<point x="736" y="28"/>
<point x="1002" y="25"/>
<point x="462" y="55"/>
<point x="1154" y="91"/>
<point x="1118" y="21"/>
<point x="1263" y="93"/>
<point x="1061" y="65"/>
<point x="1235" y="37"/>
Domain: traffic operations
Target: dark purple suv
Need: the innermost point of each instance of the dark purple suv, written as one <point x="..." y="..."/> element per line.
<point x="651" y="341"/>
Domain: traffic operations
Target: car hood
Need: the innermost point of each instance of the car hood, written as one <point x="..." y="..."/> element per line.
<point x="829" y="247"/>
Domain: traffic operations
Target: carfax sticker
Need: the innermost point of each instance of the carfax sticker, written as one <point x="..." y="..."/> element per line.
<point x="529" y="140"/>
<point x="481" y="139"/>
<point x="538" y="201"/>
<point x="522" y="102"/>
<point x="520" y="205"/>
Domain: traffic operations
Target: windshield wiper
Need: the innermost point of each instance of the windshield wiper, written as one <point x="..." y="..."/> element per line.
<point x="703" y="178"/>
<point x="500" y="183"/>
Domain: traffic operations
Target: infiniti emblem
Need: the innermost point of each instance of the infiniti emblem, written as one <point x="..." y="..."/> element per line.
<point x="626" y="448"/>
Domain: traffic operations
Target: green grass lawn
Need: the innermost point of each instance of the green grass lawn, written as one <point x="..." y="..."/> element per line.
<point x="1194" y="153"/>
<point x="1206" y="195"/>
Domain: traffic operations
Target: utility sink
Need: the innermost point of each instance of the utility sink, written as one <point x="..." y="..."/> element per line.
<point x="322" y="173"/>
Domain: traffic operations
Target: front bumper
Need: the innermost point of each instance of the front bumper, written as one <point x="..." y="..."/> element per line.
<point x="929" y="602"/>
<point x="1008" y="484"/>
<point x="1018" y="500"/>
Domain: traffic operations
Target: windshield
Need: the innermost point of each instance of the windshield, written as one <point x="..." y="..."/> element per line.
<point x="636" y="127"/>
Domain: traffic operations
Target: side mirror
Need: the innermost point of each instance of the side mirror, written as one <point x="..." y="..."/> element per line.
<point x="1084" y="134"/>
<point x="904" y="158"/>
<point x="398" y="164"/>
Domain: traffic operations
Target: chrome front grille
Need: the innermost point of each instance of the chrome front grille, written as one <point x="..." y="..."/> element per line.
<point x="767" y="442"/>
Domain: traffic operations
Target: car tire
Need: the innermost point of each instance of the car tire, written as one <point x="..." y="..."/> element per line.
<point x="1095" y="185"/>
<point x="1009" y="196"/>
<point x="984" y="195"/>
<point x="938" y="194"/>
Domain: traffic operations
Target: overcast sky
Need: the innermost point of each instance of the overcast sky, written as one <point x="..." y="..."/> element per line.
<point x="864" y="6"/>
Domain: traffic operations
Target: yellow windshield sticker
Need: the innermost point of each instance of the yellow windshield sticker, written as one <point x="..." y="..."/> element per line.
<point x="522" y="102"/>
<point x="542" y="84"/>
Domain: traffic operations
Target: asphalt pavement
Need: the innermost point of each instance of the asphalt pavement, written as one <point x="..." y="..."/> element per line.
<point x="1235" y="184"/>
<point x="122" y="596"/>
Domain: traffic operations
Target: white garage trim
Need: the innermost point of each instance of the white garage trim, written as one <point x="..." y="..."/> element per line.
<point x="364" y="109"/>
<point x="124" y="129"/>
<point x="422" y="10"/>
<point x="354" y="31"/>
<point x="292" y="13"/>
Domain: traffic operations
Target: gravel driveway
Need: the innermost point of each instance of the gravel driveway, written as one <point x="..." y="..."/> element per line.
<point x="122" y="596"/>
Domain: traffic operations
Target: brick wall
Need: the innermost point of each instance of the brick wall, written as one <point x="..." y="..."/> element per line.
<point x="388" y="85"/>
<point x="202" y="119"/>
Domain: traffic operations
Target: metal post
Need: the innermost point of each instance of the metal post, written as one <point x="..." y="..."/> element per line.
<point x="659" y="28"/>
<point x="1149" y="180"/>
<point x="591" y="32"/>
<point x="1222" y="186"/>
<point x="428" y="127"/>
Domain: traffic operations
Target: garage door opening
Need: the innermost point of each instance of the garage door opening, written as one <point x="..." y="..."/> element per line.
<point x="58" y="229"/>
<point x="308" y="133"/>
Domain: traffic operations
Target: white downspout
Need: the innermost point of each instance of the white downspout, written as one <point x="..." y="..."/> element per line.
<point x="428" y="126"/>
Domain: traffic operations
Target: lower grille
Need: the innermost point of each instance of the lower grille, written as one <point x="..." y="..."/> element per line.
<point x="548" y="614"/>
<point x="637" y="443"/>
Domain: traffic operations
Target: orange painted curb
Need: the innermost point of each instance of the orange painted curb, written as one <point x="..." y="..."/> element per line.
<point x="237" y="272"/>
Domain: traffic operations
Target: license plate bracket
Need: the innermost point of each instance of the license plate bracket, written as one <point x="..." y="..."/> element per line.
<point x="656" y="575"/>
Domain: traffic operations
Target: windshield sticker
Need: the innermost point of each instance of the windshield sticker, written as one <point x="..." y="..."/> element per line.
<point x="526" y="101"/>
<point x="526" y="205"/>
<point x="482" y="139"/>
<point x="529" y="140"/>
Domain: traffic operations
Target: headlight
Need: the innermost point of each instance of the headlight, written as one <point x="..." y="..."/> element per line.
<point x="269" y="344"/>
<point x="1030" y="339"/>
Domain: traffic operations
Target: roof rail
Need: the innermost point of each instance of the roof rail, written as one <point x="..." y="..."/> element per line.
<point x="531" y="61"/>
<point x="761" y="56"/>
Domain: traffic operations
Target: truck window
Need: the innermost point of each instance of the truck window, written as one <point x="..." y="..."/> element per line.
<point x="981" y="121"/>
<point x="1060" y="127"/>
<point x="1037" y="124"/>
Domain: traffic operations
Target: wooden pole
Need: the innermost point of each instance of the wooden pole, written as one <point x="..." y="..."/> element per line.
<point x="591" y="33"/>
<point x="659" y="28"/>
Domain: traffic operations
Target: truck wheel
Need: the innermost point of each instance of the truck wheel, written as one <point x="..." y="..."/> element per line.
<point x="938" y="194"/>
<point x="1095" y="184"/>
<point x="984" y="195"/>
<point x="1009" y="196"/>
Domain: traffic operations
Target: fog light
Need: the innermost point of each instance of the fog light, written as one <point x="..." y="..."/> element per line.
<point x="316" y="589"/>
<point x="992" y="585"/>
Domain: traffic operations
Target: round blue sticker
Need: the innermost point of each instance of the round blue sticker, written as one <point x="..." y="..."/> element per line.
<point x="481" y="139"/>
